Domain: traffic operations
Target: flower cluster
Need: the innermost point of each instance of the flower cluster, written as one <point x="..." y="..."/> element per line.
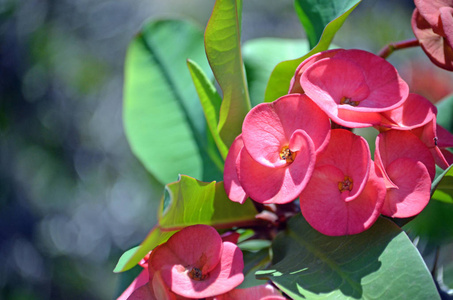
<point x="196" y="263"/>
<point x="302" y="145"/>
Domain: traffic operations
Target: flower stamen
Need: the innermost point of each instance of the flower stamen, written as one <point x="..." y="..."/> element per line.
<point x="346" y="100"/>
<point x="346" y="184"/>
<point x="287" y="154"/>
<point x="196" y="274"/>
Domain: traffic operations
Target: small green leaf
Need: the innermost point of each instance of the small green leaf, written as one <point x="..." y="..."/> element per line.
<point x="316" y="14"/>
<point x="261" y="56"/>
<point x="222" y="42"/>
<point x="442" y="187"/>
<point x="279" y="81"/>
<point x="163" y="118"/>
<point x="195" y="202"/>
<point x="380" y="263"/>
<point x="210" y="101"/>
<point x="131" y="257"/>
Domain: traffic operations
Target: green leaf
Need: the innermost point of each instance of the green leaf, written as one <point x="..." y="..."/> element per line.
<point x="210" y="101"/>
<point x="131" y="257"/>
<point x="442" y="187"/>
<point x="194" y="202"/>
<point x="222" y="42"/>
<point x="434" y="224"/>
<point x="445" y="113"/>
<point x="380" y="263"/>
<point x="316" y="14"/>
<point x="281" y="76"/>
<point x="189" y="202"/>
<point x="261" y="56"/>
<point x="163" y="118"/>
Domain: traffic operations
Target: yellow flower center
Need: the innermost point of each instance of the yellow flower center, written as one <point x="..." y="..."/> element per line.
<point x="346" y="184"/>
<point x="287" y="155"/>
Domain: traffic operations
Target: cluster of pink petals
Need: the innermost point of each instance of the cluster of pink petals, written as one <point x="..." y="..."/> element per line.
<point x="273" y="159"/>
<point x="341" y="189"/>
<point x="432" y="23"/>
<point x="194" y="263"/>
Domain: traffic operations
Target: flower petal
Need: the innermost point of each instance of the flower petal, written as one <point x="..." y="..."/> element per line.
<point x="224" y="277"/>
<point x="413" y="188"/>
<point x="231" y="182"/>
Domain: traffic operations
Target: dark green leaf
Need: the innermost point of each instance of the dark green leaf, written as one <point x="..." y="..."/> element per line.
<point x="222" y="41"/>
<point x="316" y="14"/>
<point x="163" y="118"/>
<point x="380" y="263"/>
<point x="281" y="76"/>
<point x="261" y="56"/>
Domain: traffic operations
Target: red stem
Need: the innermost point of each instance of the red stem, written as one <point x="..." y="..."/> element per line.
<point x="387" y="50"/>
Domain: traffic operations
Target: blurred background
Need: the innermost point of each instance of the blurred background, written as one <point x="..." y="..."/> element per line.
<point x="72" y="196"/>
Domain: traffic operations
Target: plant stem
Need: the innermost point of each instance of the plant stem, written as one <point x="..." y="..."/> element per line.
<point x="387" y="50"/>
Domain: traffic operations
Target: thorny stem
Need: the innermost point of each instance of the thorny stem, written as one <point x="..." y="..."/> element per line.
<point x="387" y="50"/>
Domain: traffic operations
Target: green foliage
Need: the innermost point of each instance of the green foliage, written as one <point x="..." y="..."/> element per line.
<point x="222" y="42"/>
<point x="210" y="101"/>
<point x="278" y="84"/>
<point x="261" y="56"/>
<point x="315" y="15"/>
<point x="163" y="119"/>
<point x="380" y="263"/>
<point x="189" y="202"/>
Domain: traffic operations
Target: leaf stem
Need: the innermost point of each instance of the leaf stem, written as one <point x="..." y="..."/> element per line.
<point x="387" y="50"/>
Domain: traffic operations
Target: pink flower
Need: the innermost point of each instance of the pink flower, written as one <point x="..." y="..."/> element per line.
<point x="196" y="263"/>
<point x="432" y="23"/>
<point x="352" y="86"/>
<point x="408" y="168"/>
<point x="272" y="160"/>
<point x="260" y="292"/>
<point x="345" y="193"/>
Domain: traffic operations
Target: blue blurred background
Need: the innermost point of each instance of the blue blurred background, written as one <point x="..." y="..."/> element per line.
<point x="72" y="196"/>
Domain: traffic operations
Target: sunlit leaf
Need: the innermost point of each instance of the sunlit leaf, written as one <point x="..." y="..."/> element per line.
<point x="210" y="101"/>
<point x="131" y="257"/>
<point x="194" y="202"/>
<point x="380" y="263"/>
<point x="260" y="58"/>
<point x="222" y="41"/>
<point x="163" y="119"/>
<point x="279" y="81"/>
